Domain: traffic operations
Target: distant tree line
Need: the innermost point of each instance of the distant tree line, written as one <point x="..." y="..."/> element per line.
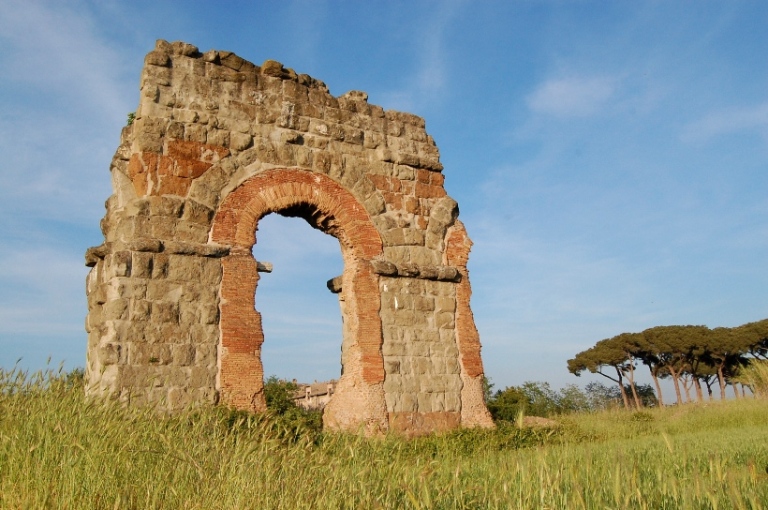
<point x="694" y="357"/>
<point x="539" y="399"/>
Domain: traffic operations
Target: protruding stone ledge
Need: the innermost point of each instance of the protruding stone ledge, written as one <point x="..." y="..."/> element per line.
<point x="426" y="272"/>
<point x="384" y="267"/>
<point x="334" y="284"/>
<point x="146" y="244"/>
<point x="202" y="250"/>
<point x="408" y="159"/>
<point x="96" y="253"/>
<point x="264" y="267"/>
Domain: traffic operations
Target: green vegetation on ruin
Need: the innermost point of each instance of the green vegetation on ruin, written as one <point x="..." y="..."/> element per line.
<point x="59" y="450"/>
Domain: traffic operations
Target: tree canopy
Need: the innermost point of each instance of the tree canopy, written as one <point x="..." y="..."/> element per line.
<point x="690" y="355"/>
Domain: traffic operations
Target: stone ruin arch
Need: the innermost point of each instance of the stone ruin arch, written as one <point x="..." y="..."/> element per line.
<point x="217" y="143"/>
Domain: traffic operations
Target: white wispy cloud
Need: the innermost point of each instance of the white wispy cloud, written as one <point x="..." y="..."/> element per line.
<point x="572" y="96"/>
<point x="42" y="305"/>
<point x="430" y="61"/>
<point x="57" y="49"/>
<point x="726" y="121"/>
<point x="308" y="19"/>
<point x="65" y="98"/>
<point x="546" y="299"/>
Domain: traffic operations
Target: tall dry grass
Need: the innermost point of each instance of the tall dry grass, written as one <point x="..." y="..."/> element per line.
<point x="755" y="375"/>
<point x="59" y="450"/>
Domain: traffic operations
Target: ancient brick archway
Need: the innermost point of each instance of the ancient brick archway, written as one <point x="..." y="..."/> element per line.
<point x="330" y="208"/>
<point x="216" y="144"/>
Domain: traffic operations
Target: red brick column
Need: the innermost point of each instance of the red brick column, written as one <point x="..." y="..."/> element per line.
<point x="241" y="374"/>
<point x="473" y="410"/>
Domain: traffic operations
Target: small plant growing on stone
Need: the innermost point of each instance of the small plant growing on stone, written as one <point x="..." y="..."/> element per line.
<point x="131" y="118"/>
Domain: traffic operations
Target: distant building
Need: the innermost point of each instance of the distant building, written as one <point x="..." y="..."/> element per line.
<point x="315" y="395"/>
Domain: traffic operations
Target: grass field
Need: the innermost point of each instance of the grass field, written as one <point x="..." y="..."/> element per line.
<point x="58" y="450"/>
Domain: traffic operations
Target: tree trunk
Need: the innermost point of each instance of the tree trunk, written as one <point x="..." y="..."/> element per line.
<point x="676" y="382"/>
<point x="721" y="380"/>
<point x="708" y="382"/>
<point x="658" y="388"/>
<point x="619" y="382"/>
<point x="638" y="402"/>
<point x="699" y="392"/>
<point x="621" y="387"/>
<point x="687" y="388"/>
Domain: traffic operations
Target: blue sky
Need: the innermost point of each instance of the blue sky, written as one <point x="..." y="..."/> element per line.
<point x="610" y="160"/>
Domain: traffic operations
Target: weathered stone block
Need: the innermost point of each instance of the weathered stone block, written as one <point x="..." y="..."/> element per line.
<point x="179" y="398"/>
<point x="208" y="314"/>
<point x="201" y="377"/>
<point x="413" y="237"/>
<point x="196" y="212"/>
<point x="408" y="403"/>
<point x="125" y="288"/>
<point x="165" y="312"/>
<point x="444" y="320"/>
<point x="116" y="309"/>
<point x="182" y="354"/>
<point x="192" y="232"/>
<point x="423" y="304"/>
<point x="120" y="263"/>
<point x="205" y="355"/>
<point x="418" y="349"/>
<point x="424" y="402"/>
<point x="405" y="318"/>
<point x="421" y="365"/>
<point x="452" y="401"/>
<point x="204" y="334"/>
<point x="140" y="310"/>
<point x="392" y="367"/>
<point x="188" y="314"/>
<point x="143" y="354"/>
<point x="159" y="290"/>
<point x="390" y="348"/>
<point x="141" y="262"/>
<point x="393" y="384"/>
<point x="445" y="304"/>
<point x="437" y="365"/>
<point x="239" y="141"/>
<point x="109" y="353"/>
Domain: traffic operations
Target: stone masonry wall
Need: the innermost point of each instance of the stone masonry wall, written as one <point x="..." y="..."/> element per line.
<point x="217" y="143"/>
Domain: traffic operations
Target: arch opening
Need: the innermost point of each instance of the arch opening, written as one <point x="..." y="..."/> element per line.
<point x="324" y="204"/>
<point x="301" y="318"/>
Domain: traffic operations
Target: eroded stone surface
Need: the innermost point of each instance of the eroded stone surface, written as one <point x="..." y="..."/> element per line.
<point x="218" y="143"/>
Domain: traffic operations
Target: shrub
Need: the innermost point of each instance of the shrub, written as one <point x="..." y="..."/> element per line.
<point x="279" y="394"/>
<point x="290" y="421"/>
<point x="507" y="404"/>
